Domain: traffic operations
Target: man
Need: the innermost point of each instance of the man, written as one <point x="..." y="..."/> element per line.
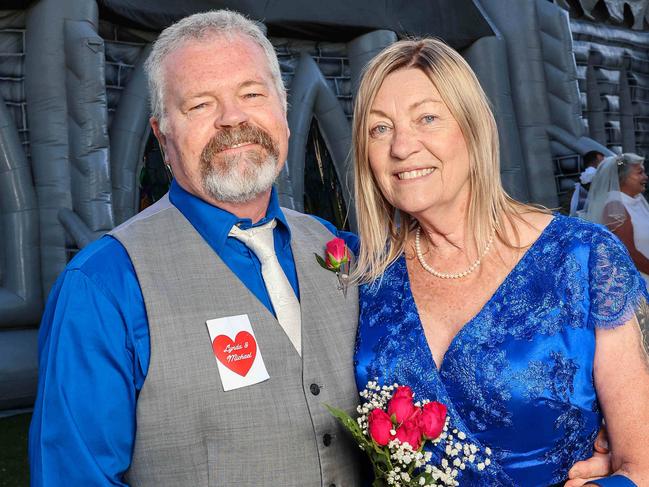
<point x="592" y="160"/>
<point x="236" y="381"/>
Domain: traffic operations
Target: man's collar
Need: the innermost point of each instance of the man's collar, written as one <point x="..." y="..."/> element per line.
<point x="214" y="223"/>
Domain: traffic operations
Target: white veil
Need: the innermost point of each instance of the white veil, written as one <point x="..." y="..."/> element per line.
<point x="604" y="204"/>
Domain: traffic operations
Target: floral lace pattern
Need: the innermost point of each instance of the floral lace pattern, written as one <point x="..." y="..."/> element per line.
<point x="519" y="375"/>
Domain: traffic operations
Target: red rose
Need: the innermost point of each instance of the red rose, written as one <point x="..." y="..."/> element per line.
<point x="401" y="404"/>
<point x="431" y="420"/>
<point x="336" y="253"/>
<point x="403" y="391"/>
<point x="409" y="432"/>
<point x="379" y="426"/>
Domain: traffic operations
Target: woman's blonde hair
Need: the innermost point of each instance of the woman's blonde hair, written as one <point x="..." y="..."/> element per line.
<point x="383" y="229"/>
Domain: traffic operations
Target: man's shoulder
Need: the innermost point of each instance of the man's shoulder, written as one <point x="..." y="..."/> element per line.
<point x="298" y="221"/>
<point x="103" y="256"/>
<point x="297" y="215"/>
<point x="294" y="216"/>
<point x="155" y="210"/>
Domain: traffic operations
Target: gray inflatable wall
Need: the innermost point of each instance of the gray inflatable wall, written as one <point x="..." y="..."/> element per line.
<point x="128" y="133"/>
<point x="20" y="280"/>
<point x="311" y="97"/>
<point x="544" y="89"/>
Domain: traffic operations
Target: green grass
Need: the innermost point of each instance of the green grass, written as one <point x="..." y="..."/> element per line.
<point x="14" y="469"/>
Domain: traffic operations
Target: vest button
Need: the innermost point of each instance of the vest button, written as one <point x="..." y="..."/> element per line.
<point x="326" y="439"/>
<point x="315" y="389"/>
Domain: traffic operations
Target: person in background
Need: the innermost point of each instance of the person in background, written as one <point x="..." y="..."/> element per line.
<point x="616" y="200"/>
<point x="592" y="159"/>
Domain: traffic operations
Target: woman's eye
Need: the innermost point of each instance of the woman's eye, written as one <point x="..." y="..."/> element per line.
<point x="252" y="95"/>
<point x="198" y="107"/>
<point x="428" y="119"/>
<point x="379" y="130"/>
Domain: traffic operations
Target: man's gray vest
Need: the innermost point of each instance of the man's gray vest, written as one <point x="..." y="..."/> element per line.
<point x="278" y="432"/>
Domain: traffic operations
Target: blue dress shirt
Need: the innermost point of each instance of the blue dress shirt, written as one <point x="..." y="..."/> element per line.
<point x="94" y="346"/>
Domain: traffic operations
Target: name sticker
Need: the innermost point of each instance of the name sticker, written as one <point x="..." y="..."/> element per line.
<point x="236" y="352"/>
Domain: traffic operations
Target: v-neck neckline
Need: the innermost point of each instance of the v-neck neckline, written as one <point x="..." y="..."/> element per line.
<point x="410" y="298"/>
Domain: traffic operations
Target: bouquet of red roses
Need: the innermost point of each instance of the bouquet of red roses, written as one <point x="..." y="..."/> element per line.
<point x="394" y="430"/>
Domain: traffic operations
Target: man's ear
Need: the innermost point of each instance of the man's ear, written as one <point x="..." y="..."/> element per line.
<point x="162" y="140"/>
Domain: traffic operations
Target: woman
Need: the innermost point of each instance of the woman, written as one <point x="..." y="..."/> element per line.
<point x="616" y="200"/>
<point x="521" y="322"/>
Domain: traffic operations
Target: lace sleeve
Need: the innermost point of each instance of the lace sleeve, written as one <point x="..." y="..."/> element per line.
<point x="616" y="287"/>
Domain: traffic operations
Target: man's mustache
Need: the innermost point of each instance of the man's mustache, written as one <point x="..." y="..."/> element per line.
<point x="243" y="134"/>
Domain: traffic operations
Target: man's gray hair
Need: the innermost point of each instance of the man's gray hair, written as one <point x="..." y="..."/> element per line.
<point x="196" y="27"/>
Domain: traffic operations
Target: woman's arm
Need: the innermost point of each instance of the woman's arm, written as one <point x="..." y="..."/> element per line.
<point x="621" y="370"/>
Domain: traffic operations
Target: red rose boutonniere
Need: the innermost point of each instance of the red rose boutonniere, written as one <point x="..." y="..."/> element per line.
<point x="337" y="259"/>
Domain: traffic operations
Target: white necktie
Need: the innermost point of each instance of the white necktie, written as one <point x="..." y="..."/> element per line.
<point x="287" y="307"/>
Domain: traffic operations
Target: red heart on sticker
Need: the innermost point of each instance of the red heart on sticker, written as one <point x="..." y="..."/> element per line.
<point x="237" y="355"/>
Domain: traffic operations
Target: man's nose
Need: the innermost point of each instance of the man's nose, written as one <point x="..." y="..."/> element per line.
<point x="231" y="115"/>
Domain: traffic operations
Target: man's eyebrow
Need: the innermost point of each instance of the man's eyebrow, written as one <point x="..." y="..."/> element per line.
<point x="198" y="95"/>
<point x="252" y="82"/>
<point x="245" y="84"/>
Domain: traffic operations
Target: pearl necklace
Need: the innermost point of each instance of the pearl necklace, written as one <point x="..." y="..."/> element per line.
<point x="456" y="275"/>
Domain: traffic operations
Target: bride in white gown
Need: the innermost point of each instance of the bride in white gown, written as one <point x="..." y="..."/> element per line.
<point x="615" y="199"/>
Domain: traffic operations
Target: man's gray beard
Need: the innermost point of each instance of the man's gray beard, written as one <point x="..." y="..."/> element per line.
<point x="224" y="181"/>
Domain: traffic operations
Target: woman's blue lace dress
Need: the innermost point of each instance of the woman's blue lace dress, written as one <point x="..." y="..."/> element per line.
<point x="518" y="377"/>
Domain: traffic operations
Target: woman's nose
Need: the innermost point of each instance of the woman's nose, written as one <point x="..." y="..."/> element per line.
<point x="404" y="143"/>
